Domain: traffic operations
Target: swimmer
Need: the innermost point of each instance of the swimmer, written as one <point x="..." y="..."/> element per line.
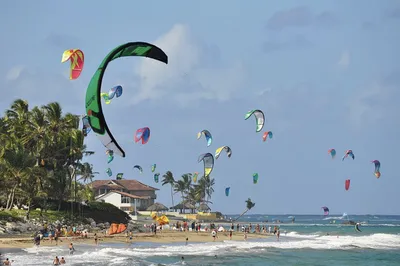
<point x="183" y="260"/>
<point x="56" y="261"/>
<point x="7" y="262"/>
<point x="187" y="239"/>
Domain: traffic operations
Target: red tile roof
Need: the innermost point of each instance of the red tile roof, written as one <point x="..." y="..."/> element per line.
<point x="122" y="184"/>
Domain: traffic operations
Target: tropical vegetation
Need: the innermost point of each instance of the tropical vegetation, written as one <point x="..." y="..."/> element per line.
<point x="191" y="193"/>
<point x="41" y="158"/>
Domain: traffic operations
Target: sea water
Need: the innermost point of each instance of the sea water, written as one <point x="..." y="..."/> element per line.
<point x="310" y="240"/>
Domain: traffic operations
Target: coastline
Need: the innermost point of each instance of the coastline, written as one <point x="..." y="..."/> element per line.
<point x="163" y="237"/>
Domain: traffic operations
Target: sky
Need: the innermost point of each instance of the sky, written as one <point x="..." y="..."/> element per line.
<point x="326" y="74"/>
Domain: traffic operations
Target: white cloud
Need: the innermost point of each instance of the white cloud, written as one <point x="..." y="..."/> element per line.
<point x="376" y="103"/>
<point x="344" y="60"/>
<point x="14" y="72"/>
<point x="187" y="78"/>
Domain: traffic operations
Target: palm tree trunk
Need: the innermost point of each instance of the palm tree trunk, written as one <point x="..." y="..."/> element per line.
<point x="172" y="196"/>
<point x="183" y="203"/>
<point x="243" y="213"/>
<point x="12" y="197"/>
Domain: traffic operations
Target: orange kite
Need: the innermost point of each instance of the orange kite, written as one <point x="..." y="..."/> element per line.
<point x="77" y="59"/>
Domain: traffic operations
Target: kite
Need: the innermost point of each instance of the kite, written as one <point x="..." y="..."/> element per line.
<point x="227" y="191"/>
<point x="153" y="168"/>
<point x="357" y="227"/>
<point x="207" y="135"/>
<point x="377" y="165"/>
<point x="110" y="154"/>
<point x="139" y="168"/>
<point x="195" y="175"/>
<point x="208" y="160"/>
<point x="259" y="115"/>
<point x="332" y="152"/>
<point x="326" y="210"/>
<point x="115" y="91"/>
<point x="156" y="177"/>
<point x="220" y="149"/>
<point x="348" y="153"/>
<point x="142" y="134"/>
<point x="104" y="95"/>
<point x="109" y="172"/>
<point x="378" y="174"/>
<point x="119" y="176"/>
<point x="93" y="99"/>
<point x="255" y="178"/>
<point x="347" y="184"/>
<point x="77" y="59"/>
<point x="85" y="126"/>
<point x="267" y="134"/>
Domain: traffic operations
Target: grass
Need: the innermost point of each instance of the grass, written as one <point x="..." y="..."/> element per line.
<point x="18" y="215"/>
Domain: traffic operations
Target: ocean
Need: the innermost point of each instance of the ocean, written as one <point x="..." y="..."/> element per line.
<point x="310" y="240"/>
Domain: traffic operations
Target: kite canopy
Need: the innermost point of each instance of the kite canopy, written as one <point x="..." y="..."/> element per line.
<point x="227" y="191"/>
<point x="119" y="176"/>
<point x="347" y="184"/>
<point x="142" y="134"/>
<point x="156" y="177"/>
<point x="207" y="135"/>
<point x="332" y="152"/>
<point x="153" y="168"/>
<point x="347" y="154"/>
<point x="326" y="210"/>
<point x="208" y="160"/>
<point x="109" y="172"/>
<point x="260" y="118"/>
<point x="377" y="165"/>
<point x="195" y="175"/>
<point x="267" y="134"/>
<point x="139" y="168"/>
<point x="115" y="91"/>
<point x="220" y="149"/>
<point x="255" y="178"/>
<point x="77" y="59"/>
<point x="93" y="100"/>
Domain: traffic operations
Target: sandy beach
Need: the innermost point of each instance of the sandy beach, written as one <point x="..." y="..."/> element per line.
<point x="163" y="237"/>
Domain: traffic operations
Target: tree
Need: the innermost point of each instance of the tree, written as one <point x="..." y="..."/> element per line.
<point x="249" y="206"/>
<point x="168" y="178"/>
<point x="41" y="154"/>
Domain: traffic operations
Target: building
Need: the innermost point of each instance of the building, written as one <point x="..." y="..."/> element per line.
<point x="127" y="195"/>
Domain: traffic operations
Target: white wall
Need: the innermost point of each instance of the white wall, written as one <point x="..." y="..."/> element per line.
<point x="112" y="198"/>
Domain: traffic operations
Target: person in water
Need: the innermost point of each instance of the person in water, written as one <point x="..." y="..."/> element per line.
<point x="71" y="248"/>
<point x="62" y="261"/>
<point x="7" y="262"/>
<point x="278" y="233"/>
<point x="56" y="261"/>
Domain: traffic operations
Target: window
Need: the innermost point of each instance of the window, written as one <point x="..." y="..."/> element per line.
<point x="125" y="199"/>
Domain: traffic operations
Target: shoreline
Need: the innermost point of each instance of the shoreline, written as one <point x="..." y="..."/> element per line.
<point x="167" y="237"/>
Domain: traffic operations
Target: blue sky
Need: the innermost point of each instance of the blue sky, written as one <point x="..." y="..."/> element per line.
<point x="325" y="74"/>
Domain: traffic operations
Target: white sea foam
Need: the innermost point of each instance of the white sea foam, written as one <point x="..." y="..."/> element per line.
<point x="136" y="255"/>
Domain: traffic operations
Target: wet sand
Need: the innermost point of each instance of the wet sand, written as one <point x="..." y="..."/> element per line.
<point x="163" y="237"/>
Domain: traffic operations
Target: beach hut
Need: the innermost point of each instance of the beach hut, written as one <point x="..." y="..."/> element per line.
<point x="184" y="205"/>
<point x="203" y="207"/>
<point x="157" y="207"/>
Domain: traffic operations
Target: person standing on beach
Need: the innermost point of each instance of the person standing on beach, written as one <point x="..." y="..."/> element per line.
<point x="95" y="239"/>
<point x="71" y="248"/>
<point x="214" y="234"/>
<point x="237" y="227"/>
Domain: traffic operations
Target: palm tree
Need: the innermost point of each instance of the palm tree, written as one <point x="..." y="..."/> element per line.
<point x="180" y="186"/>
<point x="249" y="206"/>
<point x="168" y="178"/>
